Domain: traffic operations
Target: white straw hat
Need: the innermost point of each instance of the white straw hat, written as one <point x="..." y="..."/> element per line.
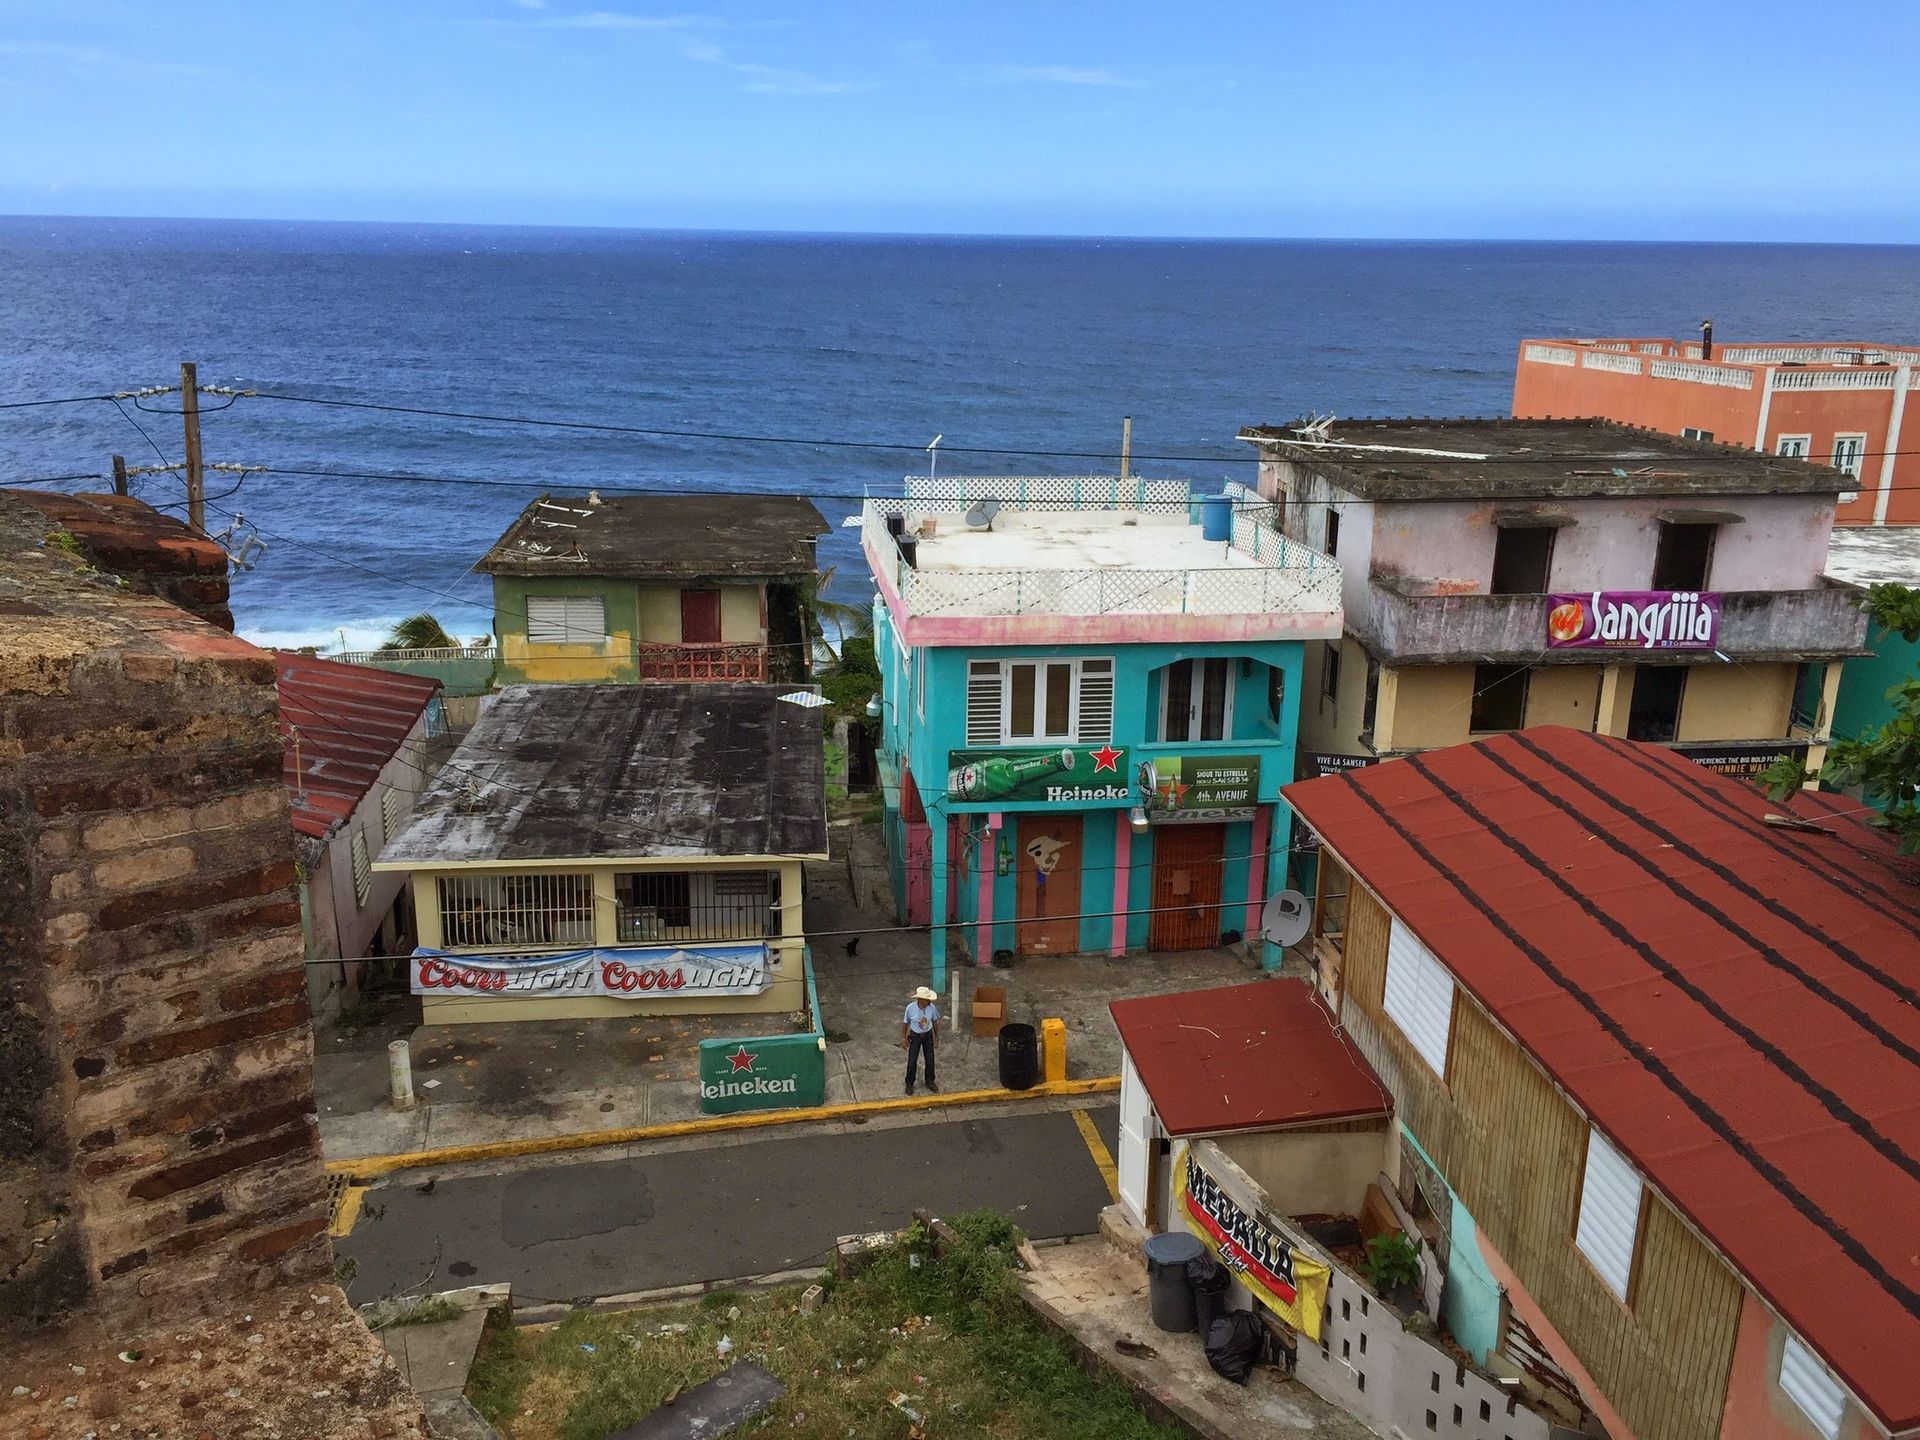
<point x="924" y="993"/>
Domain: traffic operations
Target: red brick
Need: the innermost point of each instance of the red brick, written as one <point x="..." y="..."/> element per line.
<point x="263" y="989"/>
<point x="148" y="669"/>
<point x="194" y="895"/>
<point x="281" y="915"/>
<point x="278" y="1242"/>
<point x="157" y="1048"/>
<point x="191" y="1174"/>
<point x="257" y="1122"/>
<point x="125" y="1263"/>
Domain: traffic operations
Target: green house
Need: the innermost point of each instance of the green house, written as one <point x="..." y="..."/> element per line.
<point x="634" y="588"/>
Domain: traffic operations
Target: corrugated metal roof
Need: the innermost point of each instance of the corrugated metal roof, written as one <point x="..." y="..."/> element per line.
<point x="342" y="724"/>
<point x="1243" y="1057"/>
<point x="1735" y="1005"/>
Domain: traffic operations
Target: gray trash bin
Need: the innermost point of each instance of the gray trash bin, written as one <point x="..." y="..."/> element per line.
<point x="1208" y="1279"/>
<point x="1169" y="1292"/>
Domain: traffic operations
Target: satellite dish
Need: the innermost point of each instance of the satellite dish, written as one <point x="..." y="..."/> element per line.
<point x="1284" y="918"/>
<point x="980" y="514"/>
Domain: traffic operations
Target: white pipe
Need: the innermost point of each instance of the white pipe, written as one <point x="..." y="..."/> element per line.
<point x="400" y="1075"/>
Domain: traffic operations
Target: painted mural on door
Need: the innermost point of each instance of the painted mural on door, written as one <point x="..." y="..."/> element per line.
<point x="1047" y="851"/>
<point x="1187" y="872"/>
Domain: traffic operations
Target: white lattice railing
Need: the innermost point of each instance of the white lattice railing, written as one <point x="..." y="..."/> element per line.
<point x="391" y="657"/>
<point x="1701" y="374"/>
<point x="1833" y="379"/>
<point x="1047" y="492"/>
<point x="1607" y="360"/>
<point x="1551" y="355"/>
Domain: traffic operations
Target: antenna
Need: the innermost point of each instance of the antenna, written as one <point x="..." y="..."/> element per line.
<point x="980" y="514"/>
<point x="933" y="447"/>
<point x="1284" y="918"/>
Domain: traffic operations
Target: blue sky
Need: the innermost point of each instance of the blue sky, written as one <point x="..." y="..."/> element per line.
<point x="1708" y="119"/>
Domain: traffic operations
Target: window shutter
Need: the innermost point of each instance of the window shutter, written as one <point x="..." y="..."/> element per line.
<point x="1609" y="1213"/>
<point x="1805" y="1381"/>
<point x="362" y="867"/>
<point x="1095" y="721"/>
<point x="566" y="619"/>
<point x="389" y="812"/>
<point x="983" y="702"/>
<point x="1419" y="996"/>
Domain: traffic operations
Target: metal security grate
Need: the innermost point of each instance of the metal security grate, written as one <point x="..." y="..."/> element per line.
<point x="654" y="906"/>
<point x="486" y="911"/>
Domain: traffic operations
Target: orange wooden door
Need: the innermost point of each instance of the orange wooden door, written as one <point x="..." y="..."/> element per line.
<point x="1187" y="870"/>
<point x="1046" y="859"/>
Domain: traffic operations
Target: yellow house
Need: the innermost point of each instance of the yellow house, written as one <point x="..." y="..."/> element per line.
<point x="606" y="850"/>
<point x="632" y="588"/>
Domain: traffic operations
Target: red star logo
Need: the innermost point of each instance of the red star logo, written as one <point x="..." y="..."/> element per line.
<point x="1106" y="758"/>
<point x="741" y="1060"/>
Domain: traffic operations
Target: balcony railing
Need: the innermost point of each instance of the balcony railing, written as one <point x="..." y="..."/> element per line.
<point x="730" y="661"/>
<point x="1403" y="626"/>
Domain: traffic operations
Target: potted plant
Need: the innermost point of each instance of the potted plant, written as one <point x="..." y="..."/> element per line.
<point x="1393" y="1269"/>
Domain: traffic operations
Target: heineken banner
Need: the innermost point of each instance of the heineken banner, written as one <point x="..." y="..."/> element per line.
<point x="624" y="973"/>
<point x="1057" y="775"/>
<point x="1287" y="1281"/>
<point x="1202" y="787"/>
<point x="769" y="1072"/>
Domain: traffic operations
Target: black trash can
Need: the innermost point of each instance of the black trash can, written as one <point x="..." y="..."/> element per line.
<point x="1169" y="1295"/>
<point x="1019" y="1057"/>
<point x="1209" y="1280"/>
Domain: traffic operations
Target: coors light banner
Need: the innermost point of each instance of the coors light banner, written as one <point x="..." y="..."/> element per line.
<point x="661" y="971"/>
<point x="1633" y="620"/>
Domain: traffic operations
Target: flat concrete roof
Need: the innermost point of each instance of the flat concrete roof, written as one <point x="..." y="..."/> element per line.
<point x="1874" y="554"/>
<point x="561" y="772"/>
<point x="1498" y="458"/>
<point x="673" y="537"/>
<point x="1076" y="540"/>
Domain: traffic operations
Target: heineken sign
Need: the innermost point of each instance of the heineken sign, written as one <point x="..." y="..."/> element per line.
<point x="1202" y="787"/>
<point x="1056" y="775"/>
<point x="769" y="1072"/>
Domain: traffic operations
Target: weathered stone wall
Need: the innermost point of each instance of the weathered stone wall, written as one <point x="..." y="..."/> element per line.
<point x="158" y="1149"/>
<point x="150" y="553"/>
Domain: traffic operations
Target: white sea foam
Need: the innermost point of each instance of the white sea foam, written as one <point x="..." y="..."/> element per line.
<point x="364" y="634"/>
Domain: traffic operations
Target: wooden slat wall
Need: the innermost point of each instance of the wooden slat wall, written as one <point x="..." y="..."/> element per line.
<point x="1512" y="1148"/>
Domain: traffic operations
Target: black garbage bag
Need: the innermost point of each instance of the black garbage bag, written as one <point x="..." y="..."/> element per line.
<point x="1234" y="1342"/>
<point x="1208" y="1279"/>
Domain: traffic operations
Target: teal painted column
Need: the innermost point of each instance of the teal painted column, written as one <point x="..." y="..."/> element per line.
<point x="937" y="897"/>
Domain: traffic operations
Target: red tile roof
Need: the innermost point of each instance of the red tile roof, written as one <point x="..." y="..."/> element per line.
<point x="1241" y="1057"/>
<point x="1735" y="1005"/>
<point x="342" y="723"/>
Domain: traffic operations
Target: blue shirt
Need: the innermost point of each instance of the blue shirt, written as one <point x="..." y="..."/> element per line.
<point x="920" y="1019"/>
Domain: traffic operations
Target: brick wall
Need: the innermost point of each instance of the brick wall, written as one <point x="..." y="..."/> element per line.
<point x="158" y="1149"/>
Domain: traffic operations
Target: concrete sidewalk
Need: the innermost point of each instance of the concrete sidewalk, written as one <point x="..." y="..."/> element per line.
<point x="486" y="1084"/>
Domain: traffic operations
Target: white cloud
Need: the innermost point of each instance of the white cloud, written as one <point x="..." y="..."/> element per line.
<point x="1064" y="75"/>
<point x="92" y="58"/>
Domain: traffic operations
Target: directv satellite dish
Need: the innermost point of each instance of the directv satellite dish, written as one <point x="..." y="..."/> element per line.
<point x="980" y="514"/>
<point x="1284" y="918"/>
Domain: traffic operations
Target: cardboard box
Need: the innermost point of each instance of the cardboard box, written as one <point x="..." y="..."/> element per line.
<point x="989" y="1009"/>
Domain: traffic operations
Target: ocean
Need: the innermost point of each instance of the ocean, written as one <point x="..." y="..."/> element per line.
<point x="996" y="343"/>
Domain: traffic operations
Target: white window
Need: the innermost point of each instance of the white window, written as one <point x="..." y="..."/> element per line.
<point x="1196" y="700"/>
<point x="1609" y="1220"/>
<point x="1018" y="702"/>
<point x="1794" y="447"/>
<point x="1848" y="452"/>
<point x="566" y="619"/>
<point x="1689" y="432"/>
<point x="1806" y="1382"/>
<point x="1419" y="996"/>
<point x="362" y="867"/>
<point x="390" y="814"/>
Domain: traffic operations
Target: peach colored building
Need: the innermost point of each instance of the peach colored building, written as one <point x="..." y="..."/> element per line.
<point x="1846" y="404"/>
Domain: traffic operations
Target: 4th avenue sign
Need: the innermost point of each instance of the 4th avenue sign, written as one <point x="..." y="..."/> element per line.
<point x="769" y="1072"/>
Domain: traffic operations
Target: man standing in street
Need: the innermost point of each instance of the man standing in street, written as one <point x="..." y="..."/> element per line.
<point x="919" y="1035"/>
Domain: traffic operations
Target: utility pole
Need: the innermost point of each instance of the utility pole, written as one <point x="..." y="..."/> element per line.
<point x="1126" y="444"/>
<point x="190" y="421"/>
<point x="119" y="474"/>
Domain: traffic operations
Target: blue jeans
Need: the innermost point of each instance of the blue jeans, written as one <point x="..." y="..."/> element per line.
<point x="918" y="1045"/>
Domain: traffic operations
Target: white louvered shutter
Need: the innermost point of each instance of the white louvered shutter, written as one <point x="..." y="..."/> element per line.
<point x="1419" y="996"/>
<point x="1609" y="1213"/>
<point x="984" y="702"/>
<point x="1805" y="1381"/>
<point x="362" y="867"/>
<point x="566" y="619"/>
<point x="1094" y="724"/>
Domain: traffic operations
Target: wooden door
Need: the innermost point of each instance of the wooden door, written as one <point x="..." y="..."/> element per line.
<point x="1046" y="859"/>
<point x="699" y="617"/>
<point x="1187" y="870"/>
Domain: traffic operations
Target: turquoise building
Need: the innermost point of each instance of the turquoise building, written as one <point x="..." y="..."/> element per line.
<point x="1089" y="703"/>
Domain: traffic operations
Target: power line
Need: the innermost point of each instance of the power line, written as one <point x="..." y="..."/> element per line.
<point x="60" y="400"/>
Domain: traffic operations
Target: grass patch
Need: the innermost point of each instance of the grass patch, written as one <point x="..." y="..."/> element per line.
<point x="428" y="1310"/>
<point x="949" y="1333"/>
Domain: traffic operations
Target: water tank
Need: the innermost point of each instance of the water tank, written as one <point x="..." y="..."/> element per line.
<point x="1216" y="517"/>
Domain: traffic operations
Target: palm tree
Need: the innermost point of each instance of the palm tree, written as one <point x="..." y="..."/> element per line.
<point x="419" y="632"/>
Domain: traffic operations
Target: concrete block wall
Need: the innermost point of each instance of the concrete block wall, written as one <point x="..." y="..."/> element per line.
<point x="158" y="1149"/>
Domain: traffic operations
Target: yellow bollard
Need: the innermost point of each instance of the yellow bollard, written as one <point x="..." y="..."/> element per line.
<point x="1053" y="1050"/>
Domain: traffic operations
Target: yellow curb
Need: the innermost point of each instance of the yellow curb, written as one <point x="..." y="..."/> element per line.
<point x="1102" y="1157"/>
<point x="341" y="1224"/>
<point x="366" y="1167"/>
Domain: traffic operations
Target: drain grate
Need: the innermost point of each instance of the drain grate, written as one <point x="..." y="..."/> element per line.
<point x="343" y="1203"/>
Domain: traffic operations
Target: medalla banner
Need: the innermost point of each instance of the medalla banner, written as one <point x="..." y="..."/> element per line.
<point x="1633" y="620"/>
<point x="623" y="973"/>
<point x="1288" y="1282"/>
<point x="1056" y="775"/>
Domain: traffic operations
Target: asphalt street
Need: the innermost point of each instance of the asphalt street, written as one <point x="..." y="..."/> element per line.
<point x="573" y="1228"/>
